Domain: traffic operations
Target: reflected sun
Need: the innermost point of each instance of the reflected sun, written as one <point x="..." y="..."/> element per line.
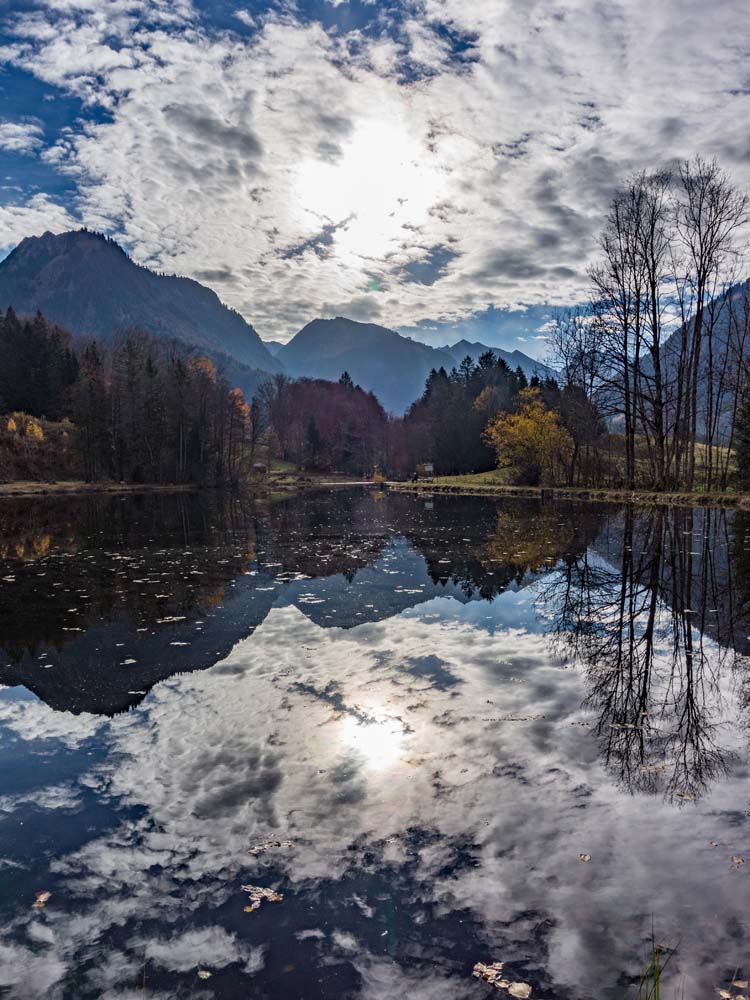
<point x="380" y="740"/>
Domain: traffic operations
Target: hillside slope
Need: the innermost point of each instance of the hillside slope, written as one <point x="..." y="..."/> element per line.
<point x="378" y="359"/>
<point x="87" y="283"/>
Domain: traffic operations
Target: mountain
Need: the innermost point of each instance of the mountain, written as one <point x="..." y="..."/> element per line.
<point x="378" y="359"/>
<point x="514" y="358"/>
<point x="726" y="326"/>
<point x="86" y="283"/>
<point x="273" y="346"/>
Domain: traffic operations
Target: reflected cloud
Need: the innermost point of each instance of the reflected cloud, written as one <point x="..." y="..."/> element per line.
<point x="437" y="771"/>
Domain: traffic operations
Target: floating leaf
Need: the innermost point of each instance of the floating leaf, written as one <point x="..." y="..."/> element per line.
<point x="737" y="861"/>
<point x="584" y="857"/>
<point x="258" y="894"/>
<point x="267" y="845"/>
<point x="204" y="974"/>
<point x="41" y="899"/>
<point x="520" y="990"/>
<point x="490" y="973"/>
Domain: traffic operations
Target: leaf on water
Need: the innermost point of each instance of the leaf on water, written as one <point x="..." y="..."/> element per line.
<point x="258" y="894"/>
<point x="493" y="974"/>
<point x="520" y="990"/>
<point x="266" y="845"/>
<point x="713" y="843"/>
<point x="741" y="984"/>
<point x="490" y="973"/>
<point x="204" y="974"/>
<point x="737" y="861"/>
<point x="41" y="899"/>
<point x="584" y="857"/>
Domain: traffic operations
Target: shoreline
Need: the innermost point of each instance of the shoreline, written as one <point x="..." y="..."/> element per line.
<point x="275" y="482"/>
<point x="31" y="488"/>
<point x="646" y="498"/>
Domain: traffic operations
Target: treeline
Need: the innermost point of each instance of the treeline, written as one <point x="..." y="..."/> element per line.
<point x="466" y="420"/>
<point x="472" y="418"/>
<point x="322" y="426"/>
<point x="143" y="410"/>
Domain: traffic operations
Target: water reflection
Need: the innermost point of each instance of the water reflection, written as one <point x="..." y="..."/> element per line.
<point x="649" y="611"/>
<point x="378" y="739"/>
<point x="438" y="709"/>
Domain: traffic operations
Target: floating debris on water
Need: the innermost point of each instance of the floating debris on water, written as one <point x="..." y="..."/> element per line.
<point x="493" y="974"/>
<point x="258" y="894"/>
<point x="41" y="899"/>
<point x="519" y="990"/>
<point x="267" y="845"/>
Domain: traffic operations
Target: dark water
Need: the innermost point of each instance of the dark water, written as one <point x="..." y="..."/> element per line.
<point x="429" y="709"/>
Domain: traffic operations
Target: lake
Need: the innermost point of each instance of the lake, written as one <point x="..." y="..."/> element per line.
<point x="350" y="743"/>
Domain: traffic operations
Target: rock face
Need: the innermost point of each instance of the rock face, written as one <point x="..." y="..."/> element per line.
<point x="378" y="359"/>
<point x="86" y="283"/>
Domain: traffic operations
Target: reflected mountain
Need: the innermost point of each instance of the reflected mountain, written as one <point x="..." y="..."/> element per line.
<point x="407" y="717"/>
<point x="102" y="597"/>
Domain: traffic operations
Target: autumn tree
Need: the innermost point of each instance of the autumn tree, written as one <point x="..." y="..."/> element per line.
<point x="531" y="442"/>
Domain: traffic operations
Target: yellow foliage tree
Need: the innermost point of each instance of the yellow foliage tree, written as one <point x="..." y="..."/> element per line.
<point x="34" y="430"/>
<point x="531" y="442"/>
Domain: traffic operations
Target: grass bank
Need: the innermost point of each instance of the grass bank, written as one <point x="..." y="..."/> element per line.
<point x="277" y="482"/>
<point x="489" y="484"/>
<point x="30" y="488"/>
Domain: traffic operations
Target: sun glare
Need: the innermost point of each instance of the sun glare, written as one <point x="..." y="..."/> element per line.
<point x="382" y="181"/>
<point x="379" y="741"/>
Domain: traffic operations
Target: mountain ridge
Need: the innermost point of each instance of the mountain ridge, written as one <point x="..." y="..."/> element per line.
<point x="516" y="358"/>
<point x="379" y="359"/>
<point x="86" y="282"/>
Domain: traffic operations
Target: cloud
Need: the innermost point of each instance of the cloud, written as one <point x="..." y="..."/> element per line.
<point x="21" y="137"/>
<point x="207" y="946"/>
<point x="311" y="158"/>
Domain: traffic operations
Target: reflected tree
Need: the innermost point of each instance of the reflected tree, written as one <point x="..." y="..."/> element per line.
<point x="649" y="613"/>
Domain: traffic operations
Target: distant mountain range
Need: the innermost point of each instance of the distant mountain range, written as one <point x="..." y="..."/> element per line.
<point x="515" y="359"/>
<point x="85" y="282"/>
<point x="378" y="359"/>
<point x="274" y="346"/>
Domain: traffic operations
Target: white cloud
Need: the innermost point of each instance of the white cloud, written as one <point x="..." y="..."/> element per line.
<point x="235" y="153"/>
<point x="21" y="137"/>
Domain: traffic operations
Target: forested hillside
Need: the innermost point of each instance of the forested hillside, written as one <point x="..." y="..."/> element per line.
<point x="139" y="409"/>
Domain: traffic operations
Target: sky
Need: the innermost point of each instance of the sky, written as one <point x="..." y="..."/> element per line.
<point x="441" y="167"/>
